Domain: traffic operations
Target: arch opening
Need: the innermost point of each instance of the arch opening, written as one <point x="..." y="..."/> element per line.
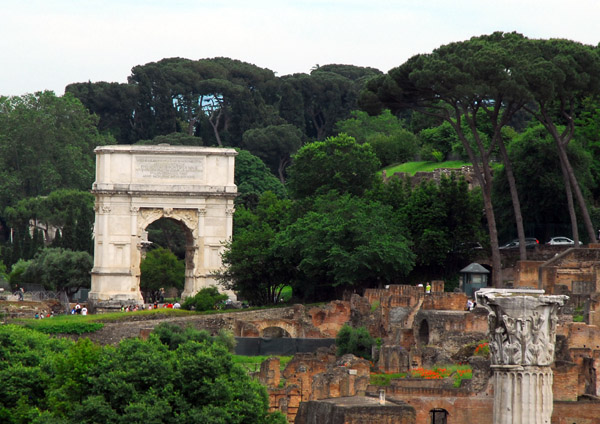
<point x="274" y="332"/>
<point x="169" y="242"/>
<point x="424" y="332"/>
<point x="438" y="416"/>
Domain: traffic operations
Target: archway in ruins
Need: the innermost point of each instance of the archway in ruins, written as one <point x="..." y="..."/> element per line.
<point x="138" y="185"/>
<point x="274" y="333"/>
<point x="438" y="416"/>
<point x="424" y="332"/>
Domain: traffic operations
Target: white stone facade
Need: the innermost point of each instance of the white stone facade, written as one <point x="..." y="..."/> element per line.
<point x="137" y="185"/>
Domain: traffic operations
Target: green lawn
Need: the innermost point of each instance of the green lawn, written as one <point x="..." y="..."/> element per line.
<point x="252" y="363"/>
<point x="414" y="167"/>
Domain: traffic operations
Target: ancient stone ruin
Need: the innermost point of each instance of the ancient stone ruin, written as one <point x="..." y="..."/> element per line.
<point x="137" y="185"/>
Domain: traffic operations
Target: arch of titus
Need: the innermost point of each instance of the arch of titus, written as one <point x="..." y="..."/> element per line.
<point x="137" y="185"/>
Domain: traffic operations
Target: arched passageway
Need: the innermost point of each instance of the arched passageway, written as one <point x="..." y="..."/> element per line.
<point x="424" y="332"/>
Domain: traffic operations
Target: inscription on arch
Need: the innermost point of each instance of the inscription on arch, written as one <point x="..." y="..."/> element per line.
<point x="158" y="167"/>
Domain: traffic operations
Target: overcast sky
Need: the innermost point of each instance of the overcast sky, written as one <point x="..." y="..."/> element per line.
<point x="47" y="44"/>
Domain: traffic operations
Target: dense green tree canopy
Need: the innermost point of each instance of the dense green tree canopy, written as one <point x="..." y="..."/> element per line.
<point x="563" y="74"/>
<point x="444" y="222"/>
<point x="160" y="269"/>
<point x="71" y="212"/>
<point x="217" y="99"/>
<point x="338" y="163"/>
<point x="253" y="178"/>
<point x="540" y="183"/>
<point x="255" y="269"/>
<point x="345" y="242"/>
<point x="275" y="145"/>
<point x="188" y="378"/>
<point x="462" y="81"/>
<point x="60" y="270"/>
<point x="46" y="143"/>
<point x="385" y="133"/>
<point x="113" y="103"/>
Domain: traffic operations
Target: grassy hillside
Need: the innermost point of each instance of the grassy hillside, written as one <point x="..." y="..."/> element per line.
<point x="414" y="167"/>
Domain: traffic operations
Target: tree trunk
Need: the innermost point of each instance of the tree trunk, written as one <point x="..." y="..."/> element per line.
<point x="570" y="205"/>
<point x="514" y="195"/>
<point x="562" y="141"/>
<point x="282" y="164"/>
<point x="484" y="176"/>
<point x="215" y="125"/>
<point x="562" y="151"/>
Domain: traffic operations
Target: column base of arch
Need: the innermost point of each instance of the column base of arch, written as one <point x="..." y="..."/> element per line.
<point x="194" y="284"/>
<point x="112" y="290"/>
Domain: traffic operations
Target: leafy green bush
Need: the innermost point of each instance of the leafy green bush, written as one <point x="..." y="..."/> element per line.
<point x="252" y="363"/>
<point x="206" y="299"/>
<point x="55" y="380"/>
<point x="172" y="335"/>
<point x="56" y="326"/>
<point x="356" y="341"/>
<point x="482" y="349"/>
<point x="385" y="379"/>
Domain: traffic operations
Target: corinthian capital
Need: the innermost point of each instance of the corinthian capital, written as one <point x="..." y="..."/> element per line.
<point x="521" y="325"/>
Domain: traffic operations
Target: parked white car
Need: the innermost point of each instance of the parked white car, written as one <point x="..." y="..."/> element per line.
<point x="562" y="241"/>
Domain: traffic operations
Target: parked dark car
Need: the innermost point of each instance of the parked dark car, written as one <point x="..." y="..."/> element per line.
<point x="530" y="243"/>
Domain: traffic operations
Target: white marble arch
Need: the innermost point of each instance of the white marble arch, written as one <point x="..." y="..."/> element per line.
<point x="137" y="185"/>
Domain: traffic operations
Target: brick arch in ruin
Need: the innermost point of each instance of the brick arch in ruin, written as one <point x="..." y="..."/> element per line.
<point x="138" y="185"/>
<point x="257" y="328"/>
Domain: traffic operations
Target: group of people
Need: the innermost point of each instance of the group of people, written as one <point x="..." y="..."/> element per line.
<point x="44" y="314"/>
<point x="427" y="287"/>
<point x="142" y="307"/>
<point x="78" y="310"/>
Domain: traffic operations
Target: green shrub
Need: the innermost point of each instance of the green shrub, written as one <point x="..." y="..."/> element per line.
<point x="374" y="306"/>
<point x="172" y="335"/>
<point x="384" y="379"/>
<point x="356" y="341"/>
<point x="252" y="363"/>
<point x="482" y="349"/>
<point x="206" y="299"/>
<point x="56" y="326"/>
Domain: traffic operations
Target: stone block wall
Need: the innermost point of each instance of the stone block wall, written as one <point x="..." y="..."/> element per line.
<point x="565" y="385"/>
<point x="462" y="406"/>
<point x="445" y="301"/>
<point x="527" y="274"/>
<point x="581" y="335"/>
<point x="330" y="318"/>
<point x="576" y="412"/>
<point x="355" y="410"/>
<point x="270" y="373"/>
<point x="318" y="322"/>
<point x="393" y="359"/>
<point x="315" y="376"/>
<point x="395" y="295"/>
<point x="573" y="265"/>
